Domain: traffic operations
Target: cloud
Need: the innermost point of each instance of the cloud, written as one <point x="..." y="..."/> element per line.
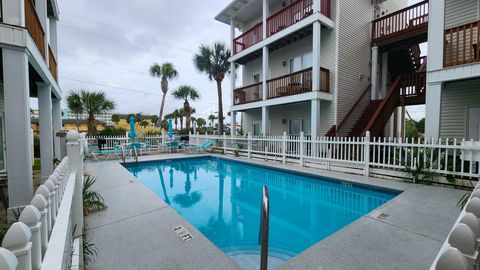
<point x="113" y="43"/>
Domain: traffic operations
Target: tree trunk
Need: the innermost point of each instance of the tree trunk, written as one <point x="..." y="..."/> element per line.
<point x="92" y="125"/>
<point x="186" y="107"/>
<point x="220" y="107"/>
<point x="181" y="123"/>
<point x="161" y="109"/>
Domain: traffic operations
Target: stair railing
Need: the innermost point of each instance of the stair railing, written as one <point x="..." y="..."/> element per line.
<point x="354" y="114"/>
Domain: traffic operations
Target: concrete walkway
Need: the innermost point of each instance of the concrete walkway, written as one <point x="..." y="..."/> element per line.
<point x="136" y="231"/>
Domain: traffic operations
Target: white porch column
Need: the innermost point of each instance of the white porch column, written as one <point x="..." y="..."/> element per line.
<point x="232" y="35"/>
<point x="315" y="118"/>
<point x="53" y="35"/>
<point x="232" y="81"/>
<point x="384" y="76"/>
<point x="432" y="110"/>
<point x="317" y="33"/>
<point x="265" y="71"/>
<point x="374" y="73"/>
<point x="316" y="6"/>
<point x="46" y="129"/>
<point x="265" y="120"/>
<point x="17" y="118"/>
<point x="57" y="126"/>
<point x="265" y="13"/>
<point x="436" y="25"/>
<point x="13" y="12"/>
<point x="41" y="8"/>
<point x="234" y="123"/>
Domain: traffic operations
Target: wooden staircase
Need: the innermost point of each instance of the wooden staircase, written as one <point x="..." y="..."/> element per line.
<point x="367" y="114"/>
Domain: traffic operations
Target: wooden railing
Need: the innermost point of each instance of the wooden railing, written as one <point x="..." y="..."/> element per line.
<point x="248" y="39"/>
<point x="324" y="80"/>
<point x="52" y="63"/>
<point x="290" y="84"/>
<point x="408" y="19"/>
<point x="248" y="94"/>
<point x="413" y="84"/>
<point x="461" y="45"/>
<point x="34" y="27"/>
<point x="290" y="15"/>
<point x="326" y="8"/>
<point x="355" y="113"/>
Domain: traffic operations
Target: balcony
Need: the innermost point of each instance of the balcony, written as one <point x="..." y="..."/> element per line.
<point x="52" y="63"/>
<point x="461" y="45"/>
<point x="291" y="84"/>
<point x="279" y="21"/>
<point x="406" y="23"/>
<point x="34" y="27"/>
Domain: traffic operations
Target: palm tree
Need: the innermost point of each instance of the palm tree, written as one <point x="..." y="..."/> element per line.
<point x="91" y="103"/>
<point x="115" y="118"/>
<point x="144" y="123"/>
<point x="182" y="114"/>
<point x="186" y="93"/>
<point x="74" y="103"/>
<point x="192" y="121"/>
<point x="166" y="71"/>
<point x="201" y="122"/>
<point x="175" y="115"/>
<point x="154" y="119"/>
<point x="212" y="118"/>
<point x="214" y="62"/>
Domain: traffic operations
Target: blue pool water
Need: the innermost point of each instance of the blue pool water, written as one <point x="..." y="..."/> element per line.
<point x="221" y="198"/>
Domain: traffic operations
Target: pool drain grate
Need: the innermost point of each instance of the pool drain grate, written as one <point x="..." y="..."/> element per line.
<point x="182" y="233"/>
<point x="382" y="216"/>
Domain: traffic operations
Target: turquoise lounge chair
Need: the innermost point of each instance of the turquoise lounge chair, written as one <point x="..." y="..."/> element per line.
<point x="95" y="152"/>
<point x="203" y="146"/>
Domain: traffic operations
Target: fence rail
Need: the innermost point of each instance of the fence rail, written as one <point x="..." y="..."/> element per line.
<point x="362" y="155"/>
<point x="111" y="142"/>
<point x="461" y="44"/>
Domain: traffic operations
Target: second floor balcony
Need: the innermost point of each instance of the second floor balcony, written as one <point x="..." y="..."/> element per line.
<point x="461" y="44"/>
<point x="279" y="21"/>
<point x="287" y="85"/>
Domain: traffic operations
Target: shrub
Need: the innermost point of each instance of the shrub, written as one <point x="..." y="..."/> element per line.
<point x="112" y="131"/>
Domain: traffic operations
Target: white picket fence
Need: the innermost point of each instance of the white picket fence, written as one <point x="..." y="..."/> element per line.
<point x="112" y="141"/>
<point x="48" y="233"/>
<point x="379" y="157"/>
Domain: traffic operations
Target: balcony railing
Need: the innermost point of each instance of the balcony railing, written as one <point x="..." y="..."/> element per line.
<point x="34" y="27"/>
<point x="52" y="63"/>
<point x="284" y="18"/>
<point x="287" y="85"/>
<point x="248" y="94"/>
<point x="461" y="45"/>
<point x="290" y="15"/>
<point x="405" y="20"/>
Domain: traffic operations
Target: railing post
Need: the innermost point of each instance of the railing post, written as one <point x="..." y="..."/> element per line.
<point x="302" y="150"/>
<point x="31" y="217"/>
<point x="41" y="204"/>
<point x="17" y="240"/>
<point x="284" y="148"/>
<point x="53" y="202"/>
<point x="366" y="153"/>
<point x="45" y="192"/>
<point x="249" y="143"/>
<point x="8" y="261"/>
<point x="76" y="161"/>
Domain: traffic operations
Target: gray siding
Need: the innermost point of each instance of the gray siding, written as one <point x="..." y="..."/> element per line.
<point x="353" y="52"/>
<point x="458" y="12"/>
<point x="457" y="97"/>
<point x="2" y="99"/>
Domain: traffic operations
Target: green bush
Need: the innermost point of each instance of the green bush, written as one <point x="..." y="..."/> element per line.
<point x="112" y="131"/>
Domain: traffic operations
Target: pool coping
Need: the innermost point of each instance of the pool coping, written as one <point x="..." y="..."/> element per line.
<point x="313" y="254"/>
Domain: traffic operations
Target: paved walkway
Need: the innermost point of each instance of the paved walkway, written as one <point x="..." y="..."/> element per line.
<point x="135" y="232"/>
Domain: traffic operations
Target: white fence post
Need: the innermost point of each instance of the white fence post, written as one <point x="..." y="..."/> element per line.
<point x="53" y="201"/>
<point x="76" y="161"/>
<point x="8" y="261"/>
<point x="284" y="148"/>
<point x="45" y="192"/>
<point x="302" y="159"/>
<point x="249" y="145"/>
<point x="30" y="216"/>
<point x="366" y="151"/>
<point x="198" y="138"/>
<point x="41" y="204"/>
<point x="17" y="240"/>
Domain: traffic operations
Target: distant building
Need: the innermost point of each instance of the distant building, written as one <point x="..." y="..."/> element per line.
<point x="70" y="124"/>
<point x="104" y="117"/>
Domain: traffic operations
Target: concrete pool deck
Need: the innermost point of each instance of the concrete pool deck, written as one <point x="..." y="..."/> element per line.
<point x="136" y="230"/>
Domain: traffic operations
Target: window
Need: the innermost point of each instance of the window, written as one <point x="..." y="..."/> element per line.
<point x="256" y="78"/>
<point x="295" y="126"/>
<point x="256" y="128"/>
<point x="306" y="126"/>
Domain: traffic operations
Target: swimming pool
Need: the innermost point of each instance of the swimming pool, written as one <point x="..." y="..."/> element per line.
<point x="221" y="198"/>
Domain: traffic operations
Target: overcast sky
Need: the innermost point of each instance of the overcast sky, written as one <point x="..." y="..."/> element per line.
<point x="109" y="45"/>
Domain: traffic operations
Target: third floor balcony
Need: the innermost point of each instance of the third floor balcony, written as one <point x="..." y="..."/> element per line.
<point x="279" y="21"/>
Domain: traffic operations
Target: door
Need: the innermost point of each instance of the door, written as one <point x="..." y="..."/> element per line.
<point x="256" y="128"/>
<point x="473" y="127"/>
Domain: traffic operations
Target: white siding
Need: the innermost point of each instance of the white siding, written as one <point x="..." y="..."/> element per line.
<point x="459" y="12"/>
<point x="391" y="6"/>
<point x="457" y="97"/>
<point x="353" y="52"/>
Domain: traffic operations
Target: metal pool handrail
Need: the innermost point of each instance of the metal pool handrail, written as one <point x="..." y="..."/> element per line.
<point x="264" y="224"/>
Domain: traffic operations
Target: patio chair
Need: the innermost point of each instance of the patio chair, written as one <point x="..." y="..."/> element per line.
<point x="201" y="147"/>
